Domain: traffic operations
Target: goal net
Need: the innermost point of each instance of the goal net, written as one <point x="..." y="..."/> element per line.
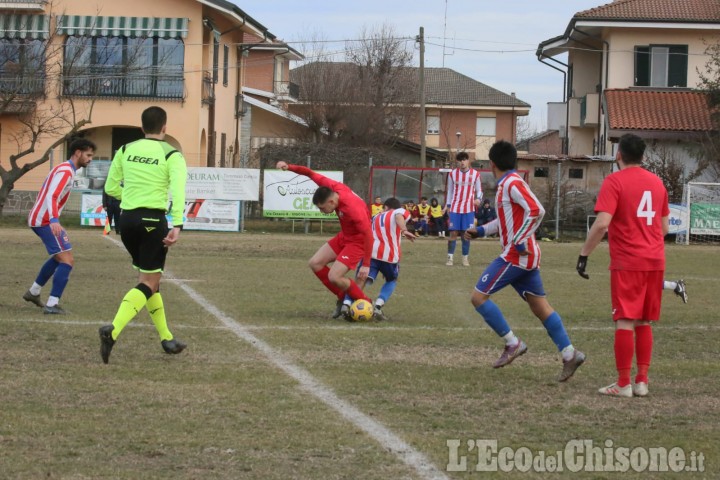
<point x="697" y="221"/>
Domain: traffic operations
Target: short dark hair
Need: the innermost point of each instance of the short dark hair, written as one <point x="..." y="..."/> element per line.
<point x="504" y="155"/>
<point x="631" y="148"/>
<point x="153" y="119"/>
<point x="423" y="198"/>
<point x="81" y="144"/>
<point x="321" y="195"/>
<point x="392" y="203"/>
<point x="462" y="156"/>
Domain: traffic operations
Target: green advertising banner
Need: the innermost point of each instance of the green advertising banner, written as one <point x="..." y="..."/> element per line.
<point x="704" y="219"/>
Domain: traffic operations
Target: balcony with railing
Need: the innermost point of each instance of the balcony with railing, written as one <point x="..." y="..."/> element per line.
<point x="18" y="94"/>
<point x="287" y="91"/>
<point x="109" y="83"/>
<point x="27" y="5"/>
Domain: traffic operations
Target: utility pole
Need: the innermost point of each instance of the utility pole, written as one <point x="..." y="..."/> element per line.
<point x="423" y="120"/>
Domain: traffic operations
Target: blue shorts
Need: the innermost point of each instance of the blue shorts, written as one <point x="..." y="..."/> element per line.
<point x="53" y="244"/>
<point x="390" y="271"/>
<point x="461" y="221"/>
<point x="500" y="274"/>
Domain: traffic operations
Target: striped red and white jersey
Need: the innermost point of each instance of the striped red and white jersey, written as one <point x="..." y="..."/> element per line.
<point x="387" y="235"/>
<point x="53" y="195"/>
<point x="519" y="215"/>
<point x="463" y="189"/>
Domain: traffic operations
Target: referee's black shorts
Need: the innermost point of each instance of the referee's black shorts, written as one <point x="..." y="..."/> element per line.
<point x="142" y="232"/>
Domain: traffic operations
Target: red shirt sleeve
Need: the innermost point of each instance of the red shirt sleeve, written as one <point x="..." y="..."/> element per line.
<point x="321" y="180"/>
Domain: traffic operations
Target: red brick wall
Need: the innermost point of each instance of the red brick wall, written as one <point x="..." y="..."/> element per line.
<point x="259" y="69"/>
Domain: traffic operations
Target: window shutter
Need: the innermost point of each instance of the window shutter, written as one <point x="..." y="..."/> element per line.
<point x="642" y="66"/>
<point x="678" y="66"/>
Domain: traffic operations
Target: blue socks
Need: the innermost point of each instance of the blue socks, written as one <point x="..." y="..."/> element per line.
<point x="494" y="318"/>
<point x="62" y="275"/>
<point x="465" y="247"/>
<point x="46" y="271"/>
<point x="555" y="328"/>
<point x="387" y="290"/>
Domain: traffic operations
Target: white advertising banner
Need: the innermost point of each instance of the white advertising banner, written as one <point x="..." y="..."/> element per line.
<point x="92" y="212"/>
<point x="678" y="219"/>
<point x="212" y="215"/>
<point x="223" y="183"/>
<point x="209" y="215"/>
<point x="289" y="195"/>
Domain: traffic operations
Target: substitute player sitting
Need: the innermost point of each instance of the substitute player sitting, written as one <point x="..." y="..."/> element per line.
<point x="346" y="249"/>
<point x="519" y="215"/>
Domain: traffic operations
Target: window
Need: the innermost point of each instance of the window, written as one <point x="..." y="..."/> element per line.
<point x="433" y="125"/>
<point x="124" y="66"/>
<point x="22" y="66"/>
<point x="661" y="66"/>
<point x="575" y="173"/>
<point x="485" y="127"/>
<point x="216" y="60"/>
<point x="223" y="147"/>
<point x="226" y="63"/>
<point x="542" y="172"/>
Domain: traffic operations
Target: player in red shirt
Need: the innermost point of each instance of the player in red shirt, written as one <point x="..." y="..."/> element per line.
<point x="346" y="249"/>
<point x="632" y="207"/>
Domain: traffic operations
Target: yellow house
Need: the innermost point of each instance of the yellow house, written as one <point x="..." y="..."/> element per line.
<point x="633" y="66"/>
<point x="105" y="61"/>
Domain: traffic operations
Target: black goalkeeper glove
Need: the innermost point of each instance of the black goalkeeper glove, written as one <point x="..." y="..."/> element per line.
<point x="581" y="266"/>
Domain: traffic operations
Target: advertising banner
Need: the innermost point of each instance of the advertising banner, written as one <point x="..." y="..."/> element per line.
<point x="92" y="212"/>
<point x="223" y="183"/>
<point x="678" y="219"/>
<point x="289" y="195"/>
<point x="202" y="214"/>
<point x="704" y="219"/>
<point x="212" y="215"/>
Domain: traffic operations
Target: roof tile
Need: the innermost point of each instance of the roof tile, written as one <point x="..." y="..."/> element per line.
<point x="676" y="111"/>
<point x="701" y="11"/>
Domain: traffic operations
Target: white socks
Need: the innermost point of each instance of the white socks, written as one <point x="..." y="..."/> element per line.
<point x="510" y="339"/>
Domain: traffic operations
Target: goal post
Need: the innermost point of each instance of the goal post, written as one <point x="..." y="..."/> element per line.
<point x="698" y="219"/>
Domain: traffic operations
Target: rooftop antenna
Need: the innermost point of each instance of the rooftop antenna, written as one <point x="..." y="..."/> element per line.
<point x="444" y="34"/>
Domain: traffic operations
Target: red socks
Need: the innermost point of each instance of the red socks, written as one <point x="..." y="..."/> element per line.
<point x="624" y="350"/>
<point x="355" y="292"/>
<point x="322" y="274"/>
<point x="643" y="348"/>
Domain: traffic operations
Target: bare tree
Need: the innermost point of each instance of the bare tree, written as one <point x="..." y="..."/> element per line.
<point x="49" y="90"/>
<point x="30" y="74"/>
<point x="364" y="100"/>
<point x="708" y="151"/>
<point x="665" y="162"/>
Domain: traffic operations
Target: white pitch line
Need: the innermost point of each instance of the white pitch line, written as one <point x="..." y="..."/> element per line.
<point x="355" y="327"/>
<point x="411" y="457"/>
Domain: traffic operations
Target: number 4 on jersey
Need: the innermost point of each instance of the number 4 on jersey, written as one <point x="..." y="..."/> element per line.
<point x="645" y="208"/>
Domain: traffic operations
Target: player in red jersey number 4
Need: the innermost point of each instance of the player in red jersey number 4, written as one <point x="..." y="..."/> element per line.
<point x="632" y="207"/>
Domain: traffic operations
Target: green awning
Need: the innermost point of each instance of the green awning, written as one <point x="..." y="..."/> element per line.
<point x="24" y="26"/>
<point x="122" y="26"/>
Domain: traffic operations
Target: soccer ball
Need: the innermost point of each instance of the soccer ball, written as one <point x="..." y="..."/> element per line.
<point x="361" y="311"/>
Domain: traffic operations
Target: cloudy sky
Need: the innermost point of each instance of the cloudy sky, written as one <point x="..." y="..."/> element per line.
<point x="491" y="41"/>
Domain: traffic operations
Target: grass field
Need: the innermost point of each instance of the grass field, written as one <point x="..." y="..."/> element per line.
<point x="271" y="387"/>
